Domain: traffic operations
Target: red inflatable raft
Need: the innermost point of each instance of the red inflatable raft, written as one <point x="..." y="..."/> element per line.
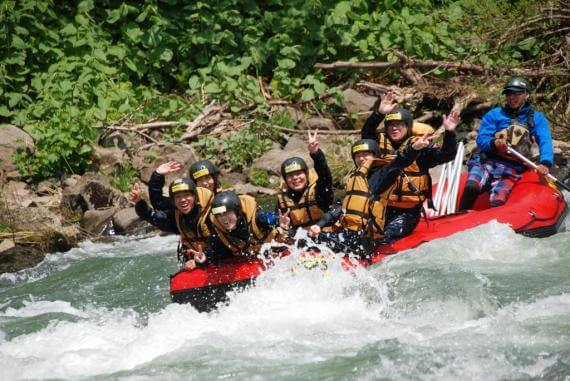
<point x="534" y="209"/>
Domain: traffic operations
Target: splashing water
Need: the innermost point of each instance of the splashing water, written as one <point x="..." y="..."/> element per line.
<point x="484" y="304"/>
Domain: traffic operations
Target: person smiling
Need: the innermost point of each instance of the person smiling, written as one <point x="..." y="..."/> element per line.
<point x="516" y="124"/>
<point x="305" y="194"/>
<point x="189" y="218"/>
<point x="239" y="228"/>
<point x="413" y="186"/>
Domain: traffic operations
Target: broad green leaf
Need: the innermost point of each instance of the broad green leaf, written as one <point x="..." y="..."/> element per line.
<point x="212" y="88"/>
<point x="117" y="51"/>
<point x="308" y="95"/>
<point x="113" y="16"/>
<point x="18" y="43"/>
<point x="194" y="82"/>
<point x="5" y="112"/>
<point x="286" y="63"/>
<point x="134" y="33"/>
<point x="69" y="29"/>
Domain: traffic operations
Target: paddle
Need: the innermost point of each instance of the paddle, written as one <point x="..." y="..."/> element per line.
<point x="528" y="163"/>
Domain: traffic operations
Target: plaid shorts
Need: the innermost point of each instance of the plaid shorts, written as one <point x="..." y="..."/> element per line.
<point x="497" y="176"/>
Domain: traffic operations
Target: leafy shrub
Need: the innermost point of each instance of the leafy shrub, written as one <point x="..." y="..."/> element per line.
<point x="259" y="177"/>
<point x="237" y="150"/>
<point x="123" y="176"/>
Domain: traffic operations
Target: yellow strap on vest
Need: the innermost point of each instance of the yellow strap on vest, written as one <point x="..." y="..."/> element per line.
<point x="190" y="238"/>
<point x="358" y="211"/>
<point x="305" y="212"/>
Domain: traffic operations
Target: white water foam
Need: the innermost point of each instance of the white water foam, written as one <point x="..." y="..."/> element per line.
<point x="292" y="319"/>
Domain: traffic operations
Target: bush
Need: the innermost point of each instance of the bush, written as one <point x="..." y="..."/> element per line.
<point x="259" y="177"/>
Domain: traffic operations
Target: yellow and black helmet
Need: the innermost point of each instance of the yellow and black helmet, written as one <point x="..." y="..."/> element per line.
<point x="365" y="145"/>
<point x="400" y="114"/>
<point x="226" y="201"/>
<point x="293" y="164"/>
<point x="181" y="184"/>
<point x="203" y="168"/>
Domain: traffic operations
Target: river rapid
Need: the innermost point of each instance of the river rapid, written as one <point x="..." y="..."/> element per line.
<point x="483" y="304"/>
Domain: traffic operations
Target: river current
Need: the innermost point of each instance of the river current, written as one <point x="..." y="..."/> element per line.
<point x="483" y="304"/>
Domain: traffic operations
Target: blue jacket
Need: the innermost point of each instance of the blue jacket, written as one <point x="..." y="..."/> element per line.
<point x="500" y="118"/>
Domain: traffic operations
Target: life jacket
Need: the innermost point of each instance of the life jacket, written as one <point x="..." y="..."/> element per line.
<point x="359" y="211"/>
<point x="256" y="237"/>
<point x="413" y="185"/>
<point x="518" y="135"/>
<point x="305" y="212"/>
<point x="194" y="237"/>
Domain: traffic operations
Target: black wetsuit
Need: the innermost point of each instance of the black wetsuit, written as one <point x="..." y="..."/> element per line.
<point x="401" y="222"/>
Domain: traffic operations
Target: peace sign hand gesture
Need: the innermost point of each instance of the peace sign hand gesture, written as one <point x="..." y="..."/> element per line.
<point x="284" y="219"/>
<point x="313" y="142"/>
<point x="422" y="142"/>
<point x="199" y="257"/>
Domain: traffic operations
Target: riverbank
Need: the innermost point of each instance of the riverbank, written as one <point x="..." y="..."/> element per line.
<point x="57" y="213"/>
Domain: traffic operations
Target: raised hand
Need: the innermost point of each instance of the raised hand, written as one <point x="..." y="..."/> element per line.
<point x="314" y="231"/>
<point x="422" y="142"/>
<point x="451" y="121"/>
<point x="313" y="142"/>
<point x="135" y="195"/>
<point x="199" y="256"/>
<point x="169" y="167"/>
<point x="284" y="219"/>
<point x="388" y="103"/>
<point x="501" y="145"/>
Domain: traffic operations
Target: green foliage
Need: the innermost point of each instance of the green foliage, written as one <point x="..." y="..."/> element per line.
<point x="259" y="177"/>
<point x="69" y="67"/>
<point x="123" y="176"/>
<point x="237" y="150"/>
<point x="340" y="160"/>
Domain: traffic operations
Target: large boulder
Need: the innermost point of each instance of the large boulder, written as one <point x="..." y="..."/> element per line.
<point x="271" y="160"/>
<point x="98" y="222"/>
<point x="109" y="159"/>
<point x="13" y="139"/>
<point x="357" y="102"/>
<point x="126" y="221"/>
<point x="91" y="192"/>
<point x="146" y="161"/>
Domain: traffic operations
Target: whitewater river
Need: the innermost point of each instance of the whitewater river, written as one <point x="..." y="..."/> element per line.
<point x="484" y="304"/>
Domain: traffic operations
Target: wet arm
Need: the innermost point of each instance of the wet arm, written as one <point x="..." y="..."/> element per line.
<point x="157" y="200"/>
<point x="158" y="218"/>
<point x="383" y="178"/>
<point x="325" y="192"/>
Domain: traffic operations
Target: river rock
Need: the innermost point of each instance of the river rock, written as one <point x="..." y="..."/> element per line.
<point x="272" y="159"/>
<point x="126" y="221"/>
<point x="357" y="102"/>
<point x="13" y="139"/>
<point x="318" y="123"/>
<point x="92" y="191"/>
<point x="98" y="222"/>
<point x="253" y="190"/>
<point x="18" y="194"/>
<point x="147" y="161"/>
<point x="108" y="159"/>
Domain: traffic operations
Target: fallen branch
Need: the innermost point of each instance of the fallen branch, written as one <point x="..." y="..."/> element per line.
<point x="130" y="129"/>
<point x="427" y="64"/>
<point x="192" y="127"/>
<point x="321" y="132"/>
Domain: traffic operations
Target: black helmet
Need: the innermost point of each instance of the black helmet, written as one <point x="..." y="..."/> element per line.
<point x="293" y="164"/>
<point x="365" y="145"/>
<point x="203" y="168"/>
<point x="181" y="184"/>
<point x="517" y="85"/>
<point x="400" y="114"/>
<point x="224" y="202"/>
